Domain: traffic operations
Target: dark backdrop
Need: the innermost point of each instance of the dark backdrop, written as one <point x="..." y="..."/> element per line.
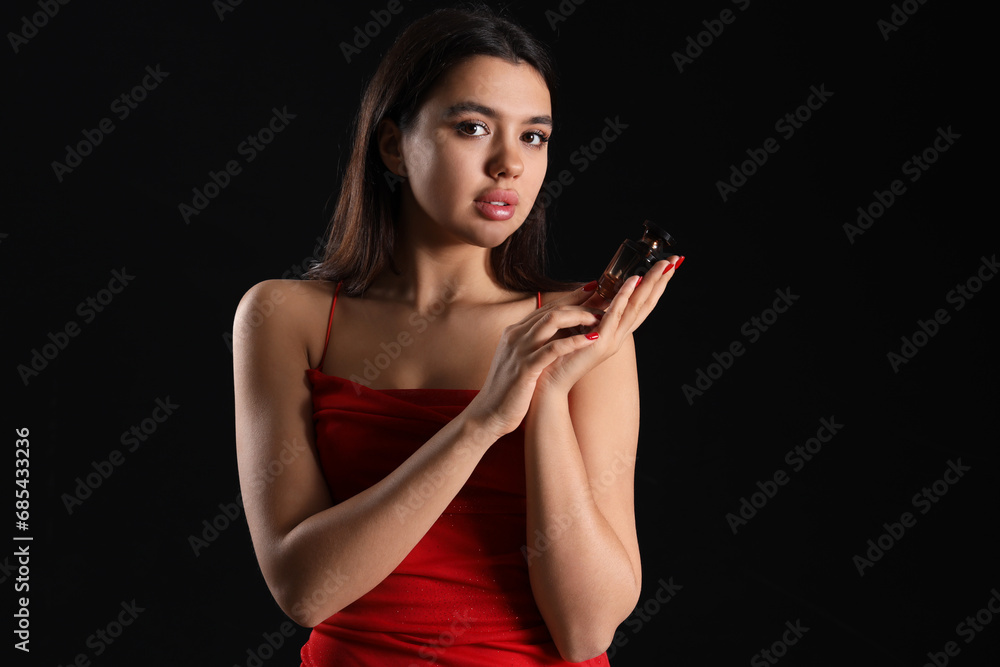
<point x="124" y="306"/>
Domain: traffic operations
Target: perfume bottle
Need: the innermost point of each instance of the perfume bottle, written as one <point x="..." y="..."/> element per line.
<point x="635" y="257"/>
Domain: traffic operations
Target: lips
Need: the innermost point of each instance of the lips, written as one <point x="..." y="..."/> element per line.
<point x="497" y="204"/>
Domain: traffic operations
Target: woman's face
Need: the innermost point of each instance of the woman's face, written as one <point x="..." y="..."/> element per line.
<point x="475" y="155"/>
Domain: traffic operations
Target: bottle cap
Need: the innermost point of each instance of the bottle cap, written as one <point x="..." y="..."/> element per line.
<point x="661" y="243"/>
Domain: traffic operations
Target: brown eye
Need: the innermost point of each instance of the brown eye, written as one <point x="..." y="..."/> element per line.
<point x="536" y="138"/>
<point x="472" y="129"/>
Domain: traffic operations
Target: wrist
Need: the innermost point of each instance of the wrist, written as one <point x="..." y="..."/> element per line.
<point x="548" y="388"/>
<point x="548" y="396"/>
<point x="481" y="426"/>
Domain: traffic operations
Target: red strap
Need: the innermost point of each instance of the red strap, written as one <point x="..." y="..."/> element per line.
<point x="539" y="299"/>
<point x="329" y="326"/>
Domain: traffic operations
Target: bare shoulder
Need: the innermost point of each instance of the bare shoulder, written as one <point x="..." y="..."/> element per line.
<point x="285" y="296"/>
<point x="294" y="310"/>
<point x="278" y="291"/>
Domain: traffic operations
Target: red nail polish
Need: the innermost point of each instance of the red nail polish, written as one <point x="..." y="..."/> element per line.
<point x="667" y="268"/>
<point x="638" y="281"/>
<point x="590" y="287"/>
<point x="677" y="265"/>
<point x="592" y="335"/>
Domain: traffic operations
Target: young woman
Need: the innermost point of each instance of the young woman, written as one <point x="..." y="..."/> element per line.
<point x="436" y="443"/>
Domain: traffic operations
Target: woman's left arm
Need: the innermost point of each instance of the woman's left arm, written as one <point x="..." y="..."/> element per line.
<point x="580" y="450"/>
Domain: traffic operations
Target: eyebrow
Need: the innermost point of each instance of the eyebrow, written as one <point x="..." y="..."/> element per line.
<point x="472" y="107"/>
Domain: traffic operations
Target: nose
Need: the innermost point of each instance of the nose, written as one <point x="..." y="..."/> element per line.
<point x="506" y="159"/>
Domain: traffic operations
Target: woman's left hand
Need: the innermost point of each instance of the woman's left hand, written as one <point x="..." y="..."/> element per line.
<point x="627" y="310"/>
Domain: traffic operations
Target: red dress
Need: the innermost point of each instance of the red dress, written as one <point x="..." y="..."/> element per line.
<point x="462" y="596"/>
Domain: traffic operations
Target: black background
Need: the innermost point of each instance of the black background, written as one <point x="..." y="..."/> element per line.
<point x="165" y="335"/>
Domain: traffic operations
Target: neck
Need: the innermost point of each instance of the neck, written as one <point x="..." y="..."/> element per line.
<point x="436" y="268"/>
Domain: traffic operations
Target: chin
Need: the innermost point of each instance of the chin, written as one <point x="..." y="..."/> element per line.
<point x="491" y="238"/>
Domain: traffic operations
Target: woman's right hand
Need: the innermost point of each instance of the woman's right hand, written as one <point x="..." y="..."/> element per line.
<point x="524" y="350"/>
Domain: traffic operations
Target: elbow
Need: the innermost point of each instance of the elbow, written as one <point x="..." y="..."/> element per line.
<point x="306" y="610"/>
<point x="584" y="644"/>
<point x="307" y="595"/>
<point x="294" y="606"/>
<point x="299" y="613"/>
<point x="309" y="604"/>
<point x="580" y="639"/>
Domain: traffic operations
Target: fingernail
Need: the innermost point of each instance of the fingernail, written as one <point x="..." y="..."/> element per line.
<point x="590" y="287"/>
<point x="667" y="268"/>
<point x="678" y="263"/>
<point x="592" y="335"/>
<point x="638" y="281"/>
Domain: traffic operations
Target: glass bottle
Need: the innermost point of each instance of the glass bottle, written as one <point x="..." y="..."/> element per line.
<point x="635" y="257"/>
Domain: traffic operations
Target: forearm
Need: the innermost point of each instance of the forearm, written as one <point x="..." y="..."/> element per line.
<point x="581" y="575"/>
<point x="335" y="556"/>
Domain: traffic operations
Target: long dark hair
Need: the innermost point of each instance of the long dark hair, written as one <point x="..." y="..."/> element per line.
<point x="362" y="230"/>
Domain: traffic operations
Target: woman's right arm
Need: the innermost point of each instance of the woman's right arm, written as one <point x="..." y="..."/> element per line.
<point x="317" y="557"/>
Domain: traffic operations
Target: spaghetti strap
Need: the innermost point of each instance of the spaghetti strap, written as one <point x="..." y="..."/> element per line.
<point x="539" y="299"/>
<point x="329" y="326"/>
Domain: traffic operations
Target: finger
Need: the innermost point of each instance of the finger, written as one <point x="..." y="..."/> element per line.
<point x="559" y="347"/>
<point x="649" y="290"/>
<point x="614" y="316"/>
<point x="597" y="302"/>
<point x="660" y="278"/>
<point x="578" y="295"/>
<point x="558" y="317"/>
<point x="641" y="295"/>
